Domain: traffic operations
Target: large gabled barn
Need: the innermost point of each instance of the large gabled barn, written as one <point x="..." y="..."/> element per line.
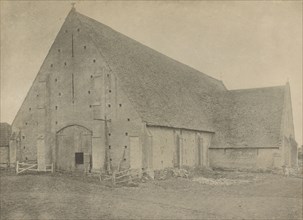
<point x="104" y="101"/>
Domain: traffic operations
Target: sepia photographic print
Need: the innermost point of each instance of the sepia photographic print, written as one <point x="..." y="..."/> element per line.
<point x="151" y="110"/>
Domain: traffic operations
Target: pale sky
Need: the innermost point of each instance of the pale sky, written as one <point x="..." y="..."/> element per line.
<point x="247" y="44"/>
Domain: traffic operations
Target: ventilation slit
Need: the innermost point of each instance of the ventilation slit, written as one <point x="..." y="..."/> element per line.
<point x="73" y="89"/>
<point x="72" y="45"/>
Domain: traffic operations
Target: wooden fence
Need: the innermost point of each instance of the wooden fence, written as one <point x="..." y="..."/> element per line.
<point x="122" y="177"/>
<point x="22" y="167"/>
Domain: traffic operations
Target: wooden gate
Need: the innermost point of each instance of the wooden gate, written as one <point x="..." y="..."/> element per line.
<point x="23" y="167"/>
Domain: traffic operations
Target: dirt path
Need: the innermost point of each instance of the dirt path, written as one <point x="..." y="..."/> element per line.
<point x="61" y="197"/>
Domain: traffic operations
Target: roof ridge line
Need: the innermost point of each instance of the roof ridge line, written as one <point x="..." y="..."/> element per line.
<point x="257" y="88"/>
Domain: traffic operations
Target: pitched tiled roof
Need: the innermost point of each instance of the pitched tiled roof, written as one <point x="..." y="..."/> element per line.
<point x="249" y="118"/>
<point x="163" y="91"/>
<point x="168" y="93"/>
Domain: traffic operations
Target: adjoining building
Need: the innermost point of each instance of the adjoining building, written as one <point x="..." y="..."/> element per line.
<point x="5" y="133"/>
<point x="102" y="100"/>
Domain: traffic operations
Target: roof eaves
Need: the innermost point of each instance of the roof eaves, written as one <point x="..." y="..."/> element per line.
<point x="258" y="88"/>
<point x="181" y="128"/>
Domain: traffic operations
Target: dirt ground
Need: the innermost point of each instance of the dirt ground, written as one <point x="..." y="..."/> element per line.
<point x="58" y="196"/>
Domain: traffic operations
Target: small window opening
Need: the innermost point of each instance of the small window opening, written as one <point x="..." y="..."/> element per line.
<point x="37" y="95"/>
<point x="120" y="105"/>
<point x="84" y="47"/>
<point x="128" y="119"/>
<point x="56" y="122"/>
<point x="110" y="91"/>
<point x="90" y="106"/>
<point x="25" y="123"/>
<point x="59" y="93"/>
<point x="56" y="80"/>
<point x="51" y="65"/>
<point x="109" y="147"/>
<point x="109" y="134"/>
<point x="79" y="158"/>
<point x="110" y="159"/>
<point x="59" y="50"/>
<point x="78" y="29"/>
<point x="125" y="146"/>
<point x="124" y="159"/>
<point x="107" y="75"/>
<point x="94" y="61"/>
<point x="56" y="107"/>
<point x="23" y="137"/>
<point x="126" y="133"/>
<point x="30" y="109"/>
<point x="25" y="158"/>
<point x="109" y="105"/>
<point x="91" y="76"/>
<point x="88" y="92"/>
<point x="23" y="147"/>
<point x="64" y="63"/>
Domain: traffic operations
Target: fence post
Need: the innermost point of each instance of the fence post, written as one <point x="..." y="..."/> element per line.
<point x="17" y="167"/>
<point x="130" y="180"/>
<point x="114" y="178"/>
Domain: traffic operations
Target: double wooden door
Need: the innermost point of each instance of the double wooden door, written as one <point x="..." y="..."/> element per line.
<point x="74" y="149"/>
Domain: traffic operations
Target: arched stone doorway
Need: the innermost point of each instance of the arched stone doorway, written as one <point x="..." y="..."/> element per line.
<point x="74" y="149"/>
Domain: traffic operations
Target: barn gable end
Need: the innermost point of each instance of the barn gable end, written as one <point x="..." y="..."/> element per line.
<point x="75" y="87"/>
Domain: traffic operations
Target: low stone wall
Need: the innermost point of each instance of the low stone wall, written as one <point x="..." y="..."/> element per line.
<point x="249" y="158"/>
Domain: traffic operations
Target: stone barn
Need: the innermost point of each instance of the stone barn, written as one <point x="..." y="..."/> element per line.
<point x="103" y="101"/>
<point x="5" y="133"/>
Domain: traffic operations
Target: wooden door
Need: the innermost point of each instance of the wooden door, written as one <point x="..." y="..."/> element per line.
<point x="135" y="153"/>
<point x="41" y="154"/>
<point x="200" y="152"/>
<point x="178" y="152"/>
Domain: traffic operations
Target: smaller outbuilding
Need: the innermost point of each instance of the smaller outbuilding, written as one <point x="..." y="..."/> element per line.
<point x="5" y="133"/>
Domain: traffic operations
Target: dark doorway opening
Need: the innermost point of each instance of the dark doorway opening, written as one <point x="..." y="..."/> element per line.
<point x="79" y="158"/>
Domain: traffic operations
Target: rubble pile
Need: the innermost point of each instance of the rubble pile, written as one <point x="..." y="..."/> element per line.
<point x="219" y="182"/>
<point x="180" y="173"/>
<point x="171" y="172"/>
<point x="293" y="171"/>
